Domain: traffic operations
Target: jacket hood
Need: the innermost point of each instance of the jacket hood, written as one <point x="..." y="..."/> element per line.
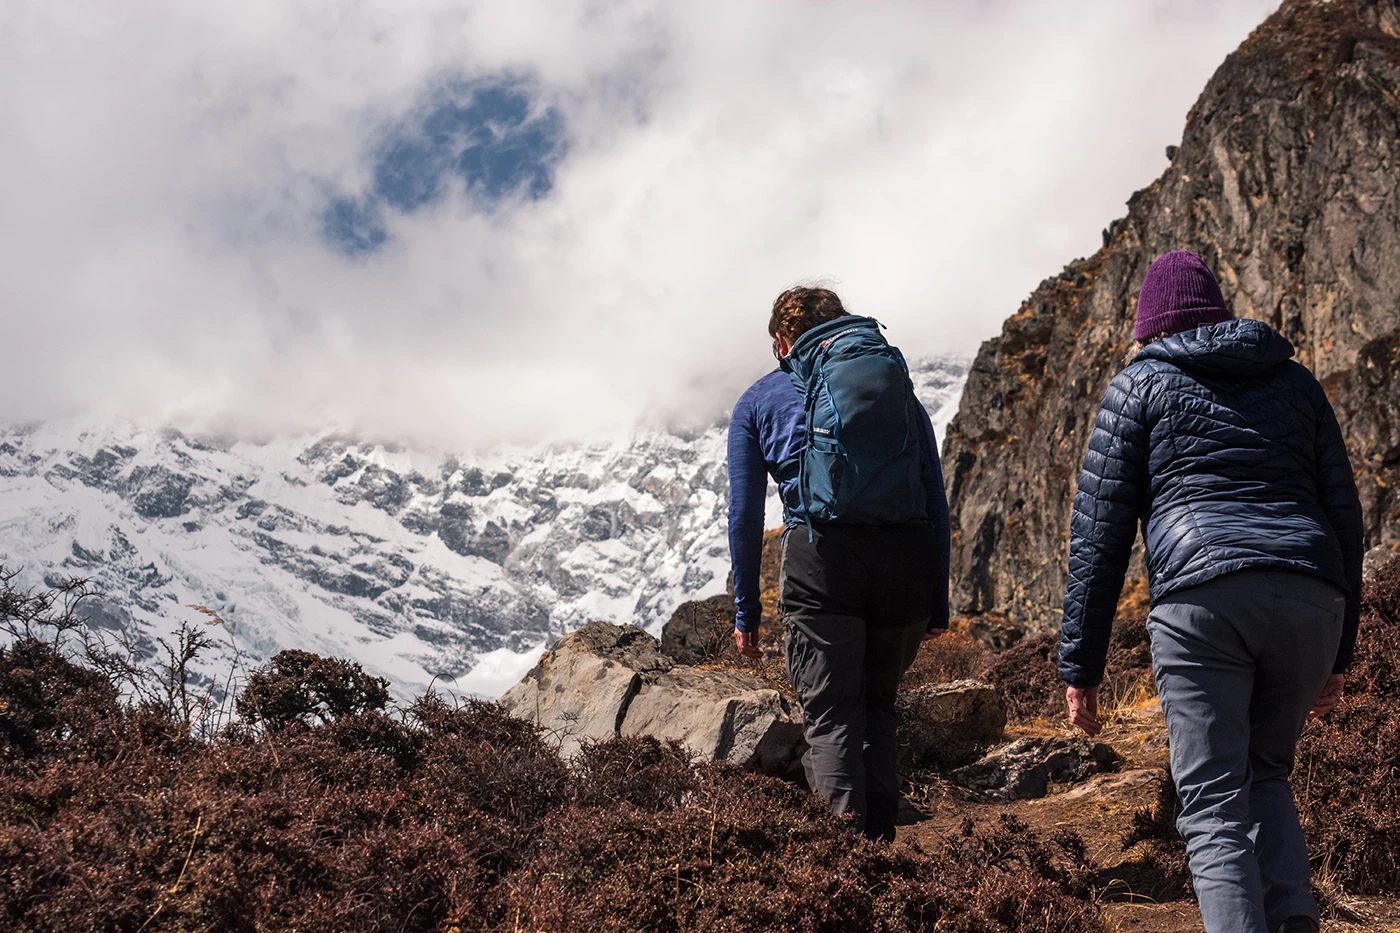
<point x="1238" y="349"/>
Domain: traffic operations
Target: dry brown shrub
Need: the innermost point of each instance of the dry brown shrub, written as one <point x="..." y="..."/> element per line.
<point x="301" y="687"/>
<point x="754" y="853"/>
<point x="769" y="574"/>
<point x="1135" y="599"/>
<point x="1160" y="871"/>
<point x="50" y="706"/>
<point x="370" y="822"/>
<point x="639" y="771"/>
<point x="1347" y="779"/>
<point x="1027" y="678"/>
<point x="954" y="655"/>
<point x="445" y="817"/>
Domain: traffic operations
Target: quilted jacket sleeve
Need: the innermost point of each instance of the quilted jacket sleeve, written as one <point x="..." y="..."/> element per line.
<point x="1107" y="507"/>
<point x="1337" y="496"/>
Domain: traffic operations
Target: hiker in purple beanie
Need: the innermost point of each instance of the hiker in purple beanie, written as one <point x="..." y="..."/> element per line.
<point x="1228" y="453"/>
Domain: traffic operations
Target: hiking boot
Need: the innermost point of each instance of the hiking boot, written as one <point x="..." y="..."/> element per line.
<point x="1301" y="924"/>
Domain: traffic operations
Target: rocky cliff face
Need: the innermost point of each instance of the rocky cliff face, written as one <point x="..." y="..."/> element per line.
<point x="1287" y="182"/>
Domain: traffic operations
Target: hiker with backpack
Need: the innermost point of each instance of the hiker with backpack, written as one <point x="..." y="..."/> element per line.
<point x="865" y="548"/>
<point x="1230" y="455"/>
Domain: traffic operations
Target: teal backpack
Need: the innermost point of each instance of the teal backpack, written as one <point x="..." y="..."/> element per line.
<point x="863" y="461"/>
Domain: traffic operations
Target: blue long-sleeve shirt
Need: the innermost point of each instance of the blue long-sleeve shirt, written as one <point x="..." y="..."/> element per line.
<point x="766" y="431"/>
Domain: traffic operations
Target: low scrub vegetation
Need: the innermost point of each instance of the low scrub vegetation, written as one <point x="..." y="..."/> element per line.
<point x="341" y="815"/>
<point x="954" y="655"/>
<point x="323" y="808"/>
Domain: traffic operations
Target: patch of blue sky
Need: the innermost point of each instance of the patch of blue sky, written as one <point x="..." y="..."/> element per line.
<point x="354" y="225"/>
<point x="487" y="139"/>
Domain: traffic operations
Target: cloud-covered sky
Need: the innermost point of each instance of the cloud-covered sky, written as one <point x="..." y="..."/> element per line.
<point x="455" y="223"/>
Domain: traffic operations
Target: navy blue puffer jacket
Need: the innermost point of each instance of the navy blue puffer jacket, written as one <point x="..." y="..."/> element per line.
<point x="1229" y="454"/>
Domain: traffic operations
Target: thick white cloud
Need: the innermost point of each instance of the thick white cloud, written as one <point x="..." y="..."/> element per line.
<point x="165" y="168"/>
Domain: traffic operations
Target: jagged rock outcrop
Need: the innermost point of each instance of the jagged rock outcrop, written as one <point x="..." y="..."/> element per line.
<point x="605" y="680"/>
<point x="1025" y="769"/>
<point x="582" y="686"/>
<point x="1287" y="182"/>
<point x="720" y="715"/>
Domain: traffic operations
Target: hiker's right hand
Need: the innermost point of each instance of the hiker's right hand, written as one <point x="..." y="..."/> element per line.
<point x="1084" y="709"/>
<point x="747" y="643"/>
<point x="1330" y="696"/>
<point x="933" y="633"/>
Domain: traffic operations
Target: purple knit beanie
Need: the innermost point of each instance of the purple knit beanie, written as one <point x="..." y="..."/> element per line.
<point x="1179" y="293"/>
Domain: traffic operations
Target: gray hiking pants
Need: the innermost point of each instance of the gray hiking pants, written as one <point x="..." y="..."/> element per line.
<point x="856" y="602"/>
<point x="1239" y="661"/>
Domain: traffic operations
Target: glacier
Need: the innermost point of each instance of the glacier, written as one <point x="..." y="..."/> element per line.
<point x="427" y="568"/>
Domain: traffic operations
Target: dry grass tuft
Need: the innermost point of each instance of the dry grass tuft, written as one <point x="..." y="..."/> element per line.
<point x="1027" y="678"/>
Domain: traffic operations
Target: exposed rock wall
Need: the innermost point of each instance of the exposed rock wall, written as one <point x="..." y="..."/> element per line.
<point x="1287" y="182"/>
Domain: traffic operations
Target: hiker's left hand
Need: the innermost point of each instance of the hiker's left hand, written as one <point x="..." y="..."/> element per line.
<point x="933" y="633"/>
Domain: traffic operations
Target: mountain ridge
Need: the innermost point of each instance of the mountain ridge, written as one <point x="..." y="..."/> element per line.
<point x="419" y="565"/>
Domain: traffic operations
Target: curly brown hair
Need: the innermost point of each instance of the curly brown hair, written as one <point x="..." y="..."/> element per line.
<point x="799" y="309"/>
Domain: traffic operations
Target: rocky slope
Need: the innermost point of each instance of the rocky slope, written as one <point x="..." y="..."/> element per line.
<point x="419" y="565"/>
<point x="1287" y="182"/>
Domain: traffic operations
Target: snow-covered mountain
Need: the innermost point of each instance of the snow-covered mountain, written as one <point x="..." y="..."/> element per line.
<point x="421" y="566"/>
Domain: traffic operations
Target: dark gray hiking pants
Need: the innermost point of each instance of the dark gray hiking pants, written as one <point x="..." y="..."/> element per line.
<point x="856" y="602"/>
<point x="1239" y="662"/>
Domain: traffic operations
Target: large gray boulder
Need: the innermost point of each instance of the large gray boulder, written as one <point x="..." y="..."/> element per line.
<point x="606" y="680"/>
<point x="944" y="725"/>
<point x="722" y="715"/>
<point x="581" y="687"/>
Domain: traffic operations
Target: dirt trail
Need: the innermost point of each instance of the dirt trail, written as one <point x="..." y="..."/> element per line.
<point x="1364" y="915"/>
<point x="1141" y="896"/>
